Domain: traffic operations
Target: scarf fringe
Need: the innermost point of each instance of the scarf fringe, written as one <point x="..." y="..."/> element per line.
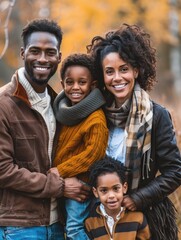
<point x="162" y="221"/>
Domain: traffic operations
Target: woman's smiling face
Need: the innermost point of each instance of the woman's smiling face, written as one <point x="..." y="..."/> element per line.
<point x="119" y="77"/>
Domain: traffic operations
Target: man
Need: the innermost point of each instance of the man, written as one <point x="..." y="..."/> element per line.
<point x="28" y="133"/>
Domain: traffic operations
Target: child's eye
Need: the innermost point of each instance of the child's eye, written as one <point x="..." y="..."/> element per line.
<point x="116" y="189"/>
<point x="103" y="190"/>
<point x="82" y="82"/>
<point x="69" y="82"/>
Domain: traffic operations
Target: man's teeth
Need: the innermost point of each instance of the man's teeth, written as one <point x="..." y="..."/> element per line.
<point x="41" y="68"/>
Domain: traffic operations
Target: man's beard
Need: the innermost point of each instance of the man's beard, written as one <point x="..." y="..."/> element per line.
<point x="40" y="82"/>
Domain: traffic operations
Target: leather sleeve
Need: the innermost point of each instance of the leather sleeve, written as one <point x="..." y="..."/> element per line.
<point x="166" y="160"/>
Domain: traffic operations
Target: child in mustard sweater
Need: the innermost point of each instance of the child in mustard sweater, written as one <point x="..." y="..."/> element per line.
<point x="84" y="134"/>
<point x="109" y="220"/>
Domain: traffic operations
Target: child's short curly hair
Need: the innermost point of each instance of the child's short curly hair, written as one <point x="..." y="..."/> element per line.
<point x="104" y="166"/>
<point x="77" y="59"/>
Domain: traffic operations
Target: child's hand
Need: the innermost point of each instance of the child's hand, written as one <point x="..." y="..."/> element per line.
<point x="54" y="170"/>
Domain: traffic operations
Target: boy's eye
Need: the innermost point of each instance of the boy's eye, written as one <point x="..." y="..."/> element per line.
<point x="116" y="188"/>
<point x="69" y="82"/>
<point x="103" y="190"/>
<point x="82" y="82"/>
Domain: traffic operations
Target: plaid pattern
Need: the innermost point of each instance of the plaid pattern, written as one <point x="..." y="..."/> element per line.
<point x="138" y="127"/>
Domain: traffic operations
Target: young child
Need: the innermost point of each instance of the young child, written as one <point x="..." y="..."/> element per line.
<point x="84" y="134"/>
<point x="109" y="220"/>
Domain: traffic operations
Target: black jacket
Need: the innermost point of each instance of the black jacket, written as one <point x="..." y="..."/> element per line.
<point x="165" y="167"/>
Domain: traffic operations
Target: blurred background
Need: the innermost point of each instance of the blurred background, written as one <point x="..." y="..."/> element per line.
<point x="82" y="19"/>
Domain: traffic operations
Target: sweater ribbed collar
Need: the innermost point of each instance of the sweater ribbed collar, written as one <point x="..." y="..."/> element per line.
<point x="70" y="115"/>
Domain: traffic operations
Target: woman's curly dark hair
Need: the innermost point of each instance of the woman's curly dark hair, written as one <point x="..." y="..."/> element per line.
<point x="134" y="47"/>
<point x="79" y="59"/>
<point x="104" y="166"/>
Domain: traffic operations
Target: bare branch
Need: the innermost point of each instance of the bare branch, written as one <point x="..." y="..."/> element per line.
<point x="6" y="33"/>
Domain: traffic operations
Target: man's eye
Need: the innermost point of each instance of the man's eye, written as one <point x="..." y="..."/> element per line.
<point x="34" y="51"/>
<point x="51" y="53"/>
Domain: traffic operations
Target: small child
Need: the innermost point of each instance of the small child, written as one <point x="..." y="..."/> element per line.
<point x="109" y="220"/>
<point x="84" y="134"/>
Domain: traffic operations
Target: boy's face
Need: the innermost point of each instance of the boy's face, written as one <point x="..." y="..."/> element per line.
<point x="110" y="191"/>
<point x="77" y="83"/>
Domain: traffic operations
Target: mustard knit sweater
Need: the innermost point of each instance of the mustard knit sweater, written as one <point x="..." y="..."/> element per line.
<point x="80" y="145"/>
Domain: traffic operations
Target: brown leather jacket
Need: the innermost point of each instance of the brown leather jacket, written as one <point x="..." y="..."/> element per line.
<point x="25" y="186"/>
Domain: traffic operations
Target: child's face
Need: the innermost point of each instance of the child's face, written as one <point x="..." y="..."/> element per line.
<point x="110" y="192"/>
<point x="77" y="83"/>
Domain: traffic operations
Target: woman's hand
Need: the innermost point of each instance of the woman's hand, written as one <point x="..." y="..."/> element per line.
<point x="128" y="203"/>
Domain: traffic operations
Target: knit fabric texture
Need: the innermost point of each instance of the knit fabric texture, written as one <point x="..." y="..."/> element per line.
<point x="138" y="127"/>
<point x="70" y="115"/>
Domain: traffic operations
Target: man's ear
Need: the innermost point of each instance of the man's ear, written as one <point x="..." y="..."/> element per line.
<point x="22" y="51"/>
<point x="93" y="84"/>
<point x="60" y="57"/>
<point x="95" y="192"/>
<point x="125" y="187"/>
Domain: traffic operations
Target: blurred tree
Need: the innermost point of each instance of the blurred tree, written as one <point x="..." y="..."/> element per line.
<point x="22" y="12"/>
<point x="82" y="19"/>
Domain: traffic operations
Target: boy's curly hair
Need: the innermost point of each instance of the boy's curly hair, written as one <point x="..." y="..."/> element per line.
<point x="133" y="45"/>
<point x="104" y="166"/>
<point x="78" y="59"/>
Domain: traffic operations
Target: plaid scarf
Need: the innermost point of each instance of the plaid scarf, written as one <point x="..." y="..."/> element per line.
<point x="136" y="117"/>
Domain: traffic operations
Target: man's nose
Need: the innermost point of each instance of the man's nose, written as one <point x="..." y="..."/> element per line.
<point x="42" y="57"/>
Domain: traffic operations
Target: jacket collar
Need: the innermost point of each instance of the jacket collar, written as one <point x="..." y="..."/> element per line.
<point x="20" y="92"/>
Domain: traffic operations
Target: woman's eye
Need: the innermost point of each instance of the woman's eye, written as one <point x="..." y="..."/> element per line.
<point x="125" y="69"/>
<point x="109" y="71"/>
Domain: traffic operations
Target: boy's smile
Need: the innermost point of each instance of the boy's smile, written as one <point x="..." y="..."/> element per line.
<point x="77" y="83"/>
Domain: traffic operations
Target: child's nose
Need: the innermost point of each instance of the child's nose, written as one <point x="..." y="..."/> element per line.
<point x="75" y="86"/>
<point x="111" y="194"/>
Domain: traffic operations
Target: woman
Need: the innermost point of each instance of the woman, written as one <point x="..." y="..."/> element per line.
<point x="141" y="133"/>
